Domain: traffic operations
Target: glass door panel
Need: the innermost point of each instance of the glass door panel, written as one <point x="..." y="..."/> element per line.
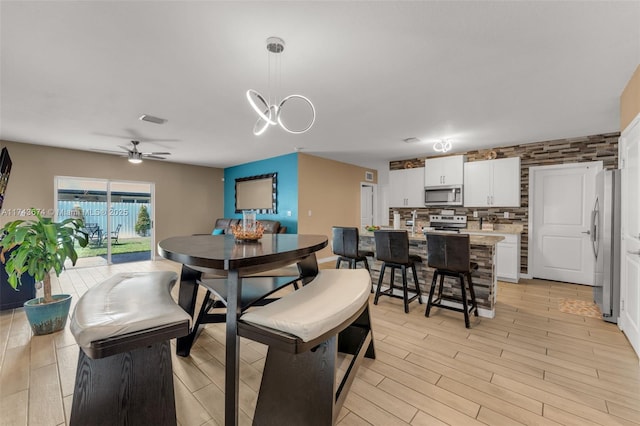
<point x="131" y="213"/>
<point x="118" y="218"/>
<point x="86" y="199"/>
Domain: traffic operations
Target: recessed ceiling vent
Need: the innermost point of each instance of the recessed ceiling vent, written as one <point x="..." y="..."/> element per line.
<point x="152" y="119"/>
<point x="411" y="140"/>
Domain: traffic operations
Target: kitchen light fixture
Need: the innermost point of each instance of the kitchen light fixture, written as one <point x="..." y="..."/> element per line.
<point x="271" y="113"/>
<point x="443" y="145"/>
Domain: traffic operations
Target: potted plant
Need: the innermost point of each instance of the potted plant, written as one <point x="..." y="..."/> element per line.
<point x="36" y="247"/>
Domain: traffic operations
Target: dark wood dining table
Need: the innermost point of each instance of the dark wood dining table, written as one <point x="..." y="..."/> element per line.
<point x="222" y="254"/>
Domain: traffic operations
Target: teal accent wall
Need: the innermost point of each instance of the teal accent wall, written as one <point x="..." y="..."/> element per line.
<point x="286" y="166"/>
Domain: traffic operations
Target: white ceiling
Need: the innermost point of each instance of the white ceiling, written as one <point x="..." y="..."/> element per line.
<point x="78" y="74"/>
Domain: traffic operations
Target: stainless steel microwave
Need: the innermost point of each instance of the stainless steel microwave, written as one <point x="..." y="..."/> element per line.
<point x="450" y="195"/>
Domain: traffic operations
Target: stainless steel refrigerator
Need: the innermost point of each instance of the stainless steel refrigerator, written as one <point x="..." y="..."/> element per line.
<point x="605" y="236"/>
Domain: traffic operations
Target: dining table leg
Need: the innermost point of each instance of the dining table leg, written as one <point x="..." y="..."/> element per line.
<point x="232" y="355"/>
<point x="187" y="295"/>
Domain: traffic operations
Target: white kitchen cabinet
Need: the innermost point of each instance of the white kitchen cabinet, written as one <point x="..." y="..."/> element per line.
<point x="507" y="256"/>
<point x="492" y="183"/>
<point x="444" y="171"/>
<point x="406" y="187"/>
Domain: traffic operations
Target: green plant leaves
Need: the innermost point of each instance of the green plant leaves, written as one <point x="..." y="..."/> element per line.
<point x="38" y="246"/>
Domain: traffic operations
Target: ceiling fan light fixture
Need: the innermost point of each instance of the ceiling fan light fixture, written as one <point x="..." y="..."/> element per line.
<point x="271" y="113"/>
<point x="135" y="157"/>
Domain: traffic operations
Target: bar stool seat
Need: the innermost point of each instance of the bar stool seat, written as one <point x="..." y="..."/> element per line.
<point x="392" y="248"/>
<point x="449" y="255"/>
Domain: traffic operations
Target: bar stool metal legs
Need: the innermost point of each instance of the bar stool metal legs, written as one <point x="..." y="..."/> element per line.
<point x="405" y="289"/>
<point x="468" y="301"/>
<point x="449" y="255"/>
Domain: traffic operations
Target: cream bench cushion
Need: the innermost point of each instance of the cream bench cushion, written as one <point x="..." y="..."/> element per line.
<point x="126" y="303"/>
<point x="333" y="297"/>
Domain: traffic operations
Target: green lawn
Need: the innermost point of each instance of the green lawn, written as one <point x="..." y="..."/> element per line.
<point x="129" y="245"/>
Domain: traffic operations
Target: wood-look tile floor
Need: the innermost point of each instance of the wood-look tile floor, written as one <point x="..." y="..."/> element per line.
<point x="531" y="364"/>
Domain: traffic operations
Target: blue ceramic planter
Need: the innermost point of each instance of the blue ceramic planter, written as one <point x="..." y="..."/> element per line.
<point x="50" y="317"/>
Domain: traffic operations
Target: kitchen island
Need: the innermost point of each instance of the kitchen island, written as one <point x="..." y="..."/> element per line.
<point x="483" y="252"/>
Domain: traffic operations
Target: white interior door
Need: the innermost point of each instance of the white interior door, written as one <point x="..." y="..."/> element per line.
<point x="630" y="245"/>
<point x="366" y="205"/>
<point x="560" y="203"/>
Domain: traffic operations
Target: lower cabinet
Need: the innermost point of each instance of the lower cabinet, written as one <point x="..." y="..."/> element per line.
<point x="507" y="256"/>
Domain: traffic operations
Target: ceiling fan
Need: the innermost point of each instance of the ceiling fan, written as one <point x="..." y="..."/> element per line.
<point x="134" y="155"/>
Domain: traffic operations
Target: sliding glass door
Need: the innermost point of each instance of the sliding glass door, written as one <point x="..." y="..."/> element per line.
<point x="118" y="217"/>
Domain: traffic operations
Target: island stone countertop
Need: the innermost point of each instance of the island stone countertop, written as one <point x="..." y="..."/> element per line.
<point x="498" y="228"/>
<point x="482" y="240"/>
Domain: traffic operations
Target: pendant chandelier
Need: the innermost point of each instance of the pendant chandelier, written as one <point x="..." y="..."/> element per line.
<point x="270" y="111"/>
<point x="442" y="145"/>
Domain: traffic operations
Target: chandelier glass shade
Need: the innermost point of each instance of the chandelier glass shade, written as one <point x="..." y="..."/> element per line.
<point x="270" y="113"/>
<point x="442" y="145"/>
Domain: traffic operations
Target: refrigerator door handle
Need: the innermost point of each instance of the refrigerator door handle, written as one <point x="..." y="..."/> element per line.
<point x="595" y="216"/>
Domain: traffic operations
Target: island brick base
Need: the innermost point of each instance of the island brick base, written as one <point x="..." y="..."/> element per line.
<point x="484" y="279"/>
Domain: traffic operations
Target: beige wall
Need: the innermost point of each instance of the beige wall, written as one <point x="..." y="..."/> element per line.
<point x="630" y="100"/>
<point x="188" y="199"/>
<point x="331" y="191"/>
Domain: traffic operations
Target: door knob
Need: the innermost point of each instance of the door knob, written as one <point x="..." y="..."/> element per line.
<point x="586" y="232"/>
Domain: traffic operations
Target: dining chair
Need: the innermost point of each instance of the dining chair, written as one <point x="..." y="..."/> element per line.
<point x="392" y="248"/>
<point x="116" y="233"/>
<point x="449" y="256"/>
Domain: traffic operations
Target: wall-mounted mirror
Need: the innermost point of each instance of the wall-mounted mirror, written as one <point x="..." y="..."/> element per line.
<point x="257" y="193"/>
<point x="5" y="169"/>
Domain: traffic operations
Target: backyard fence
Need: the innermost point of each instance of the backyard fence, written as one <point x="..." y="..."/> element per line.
<point x="125" y="214"/>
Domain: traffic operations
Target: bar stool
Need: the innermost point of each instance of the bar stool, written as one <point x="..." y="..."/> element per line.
<point x="449" y="255"/>
<point x="345" y="245"/>
<point x="392" y="248"/>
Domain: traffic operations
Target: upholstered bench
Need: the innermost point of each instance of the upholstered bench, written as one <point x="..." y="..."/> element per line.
<point x="304" y="331"/>
<point x="123" y="326"/>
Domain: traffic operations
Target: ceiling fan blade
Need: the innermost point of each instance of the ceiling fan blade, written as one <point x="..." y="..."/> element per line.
<point x="156" y="153"/>
<point x="126" y="148"/>
<point x="154" y="157"/>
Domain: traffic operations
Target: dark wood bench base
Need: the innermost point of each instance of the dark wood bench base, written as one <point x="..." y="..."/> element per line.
<point x="124" y="375"/>
<point x="130" y="388"/>
<point x="298" y="383"/>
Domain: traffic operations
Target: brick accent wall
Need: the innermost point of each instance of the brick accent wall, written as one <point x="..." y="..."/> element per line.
<point x="603" y="147"/>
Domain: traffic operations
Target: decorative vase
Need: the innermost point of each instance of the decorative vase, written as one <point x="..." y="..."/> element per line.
<point x="46" y="318"/>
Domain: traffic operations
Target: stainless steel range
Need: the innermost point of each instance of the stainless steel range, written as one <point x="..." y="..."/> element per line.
<point x="451" y="223"/>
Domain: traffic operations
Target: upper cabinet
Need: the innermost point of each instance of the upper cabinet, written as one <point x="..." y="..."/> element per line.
<point x="444" y="171"/>
<point x="406" y="187"/>
<point x="492" y="183"/>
